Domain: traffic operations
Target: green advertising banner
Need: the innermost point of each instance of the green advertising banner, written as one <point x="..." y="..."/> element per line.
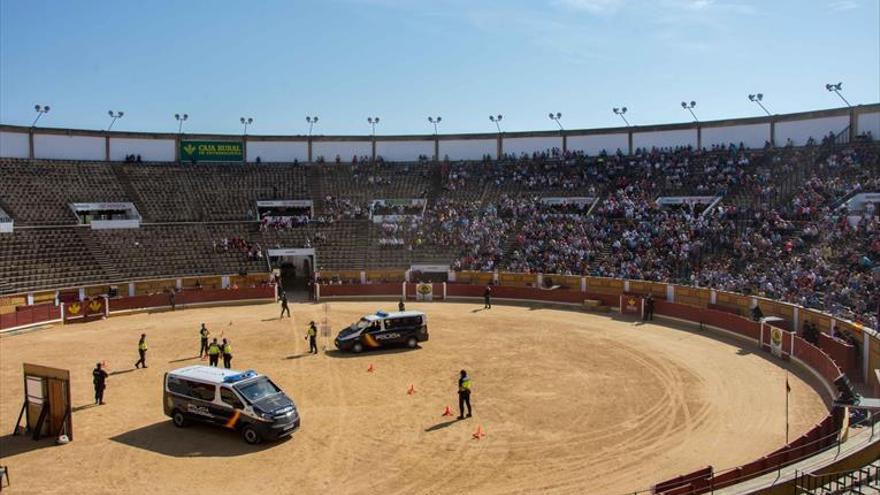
<point x="211" y="151"/>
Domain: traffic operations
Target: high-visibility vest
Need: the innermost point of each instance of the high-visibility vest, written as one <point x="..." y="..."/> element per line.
<point x="313" y="331"/>
<point x="465" y="384"/>
<point x="227" y="349"/>
<point x="142" y="345"/>
<point x="214" y="349"/>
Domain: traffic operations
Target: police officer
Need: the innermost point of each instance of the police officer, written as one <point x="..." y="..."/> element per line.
<point x="99" y="378"/>
<point x="142" y="351"/>
<point x="171" y="301"/>
<point x="284" y="306"/>
<point x="649" y="308"/>
<point x="487" y="298"/>
<point x="213" y="352"/>
<point x="227" y="354"/>
<point x="203" y="333"/>
<point x="313" y="334"/>
<point x="401" y="306"/>
<point x="464" y="394"/>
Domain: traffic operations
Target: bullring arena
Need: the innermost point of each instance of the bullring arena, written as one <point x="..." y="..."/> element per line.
<point x="555" y="388"/>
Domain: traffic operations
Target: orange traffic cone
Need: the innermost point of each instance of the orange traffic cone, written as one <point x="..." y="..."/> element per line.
<point x="479" y="433"/>
<point x="412" y="389"/>
<point x="370" y="369"/>
<point x="447" y="412"/>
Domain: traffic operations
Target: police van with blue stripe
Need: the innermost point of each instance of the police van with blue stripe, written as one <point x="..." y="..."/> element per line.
<point x="244" y="401"/>
<point x="384" y="330"/>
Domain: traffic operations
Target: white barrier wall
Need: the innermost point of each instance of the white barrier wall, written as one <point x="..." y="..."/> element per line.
<point x="529" y="145"/>
<point x="60" y="147"/>
<point x="468" y="149"/>
<point x="799" y="131"/>
<point x="279" y="151"/>
<point x="14" y="145"/>
<point x="752" y="135"/>
<point x="345" y="149"/>
<point x="594" y="144"/>
<point x="665" y="139"/>
<point x="151" y="150"/>
<point x="404" y="151"/>
<point x="869" y="122"/>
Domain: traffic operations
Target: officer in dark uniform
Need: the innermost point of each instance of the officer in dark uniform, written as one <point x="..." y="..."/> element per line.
<point x="203" y="333"/>
<point x="487" y="298"/>
<point x="464" y="394"/>
<point x="401" y="306"/>
<point x="284" y="306"/>
<point x="649" y="308"/>
<point x="227" y="354"/>
<point x="171" y="301"/>
<point x="313" y="335"/>
<point x="213" y="352"/>
<point x="142" y="351"/>
<point x="99" y="378"/>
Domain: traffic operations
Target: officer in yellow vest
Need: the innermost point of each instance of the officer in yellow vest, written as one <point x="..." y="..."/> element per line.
<point x="142" y="351"/>
<point x="213" y="352"/>
<point x="227" y="354"/>
<point x="313" y="334"/>
<point x="464" y="394"/>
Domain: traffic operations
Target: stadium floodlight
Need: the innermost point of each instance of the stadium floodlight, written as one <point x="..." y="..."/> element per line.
<point x="555" y="118"/>
<point x="114" y="116"/>
<point x="373" y="121"/>
<point x="621" y="112"/>
<point x="40" y="109"/>
<point x="497" y="120"/>
<point x="180" y="120"/>
<point x="312" y="121"/>
<point x="246" y="121"/>
<point x="690" y="108"/>
<point x="835" y="88"/>
<point x="756" y="98"/>
<point x="435" y="121"/>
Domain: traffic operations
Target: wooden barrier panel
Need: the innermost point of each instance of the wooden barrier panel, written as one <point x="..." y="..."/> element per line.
<point x="691" y="296"/>
<point x="154" y="286"/>
<point x="27" y="315"/>
<point x="739" y="301"/>
<point x="602" y="285"/>
<point x="644" y="288"/>
<point x="518" y="279"/>
<point x="387" y="276"/>
<point x="568" y="282"/>
<point x="845" y="355"/>
<point x="203" y="283"/>
<point x="45" y="297"/>
<point x="191" y="297"/>
<point x="821" y="320"/>
<point x="9" y="303"/>
<point x="781" y="310"/>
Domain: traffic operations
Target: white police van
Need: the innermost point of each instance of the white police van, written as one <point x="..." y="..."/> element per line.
<point x="383" y="330"/>
<point x="245" y="401"/>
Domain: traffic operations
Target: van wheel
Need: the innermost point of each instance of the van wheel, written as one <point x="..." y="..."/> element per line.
<point x="412" y="343"/>
<point x="357" y="347"/>
<point x="179" y="419"/>
<point x="250" y="435"/>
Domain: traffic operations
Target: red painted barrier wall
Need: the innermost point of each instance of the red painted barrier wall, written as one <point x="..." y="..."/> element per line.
<point x="26" y="315"/>
<point x="191" y="297"/>
<point x="844" y="354"/>
<point x="394" y="289"/>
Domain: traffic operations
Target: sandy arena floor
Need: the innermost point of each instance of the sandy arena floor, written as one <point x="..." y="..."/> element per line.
<point x="570" y="402"/>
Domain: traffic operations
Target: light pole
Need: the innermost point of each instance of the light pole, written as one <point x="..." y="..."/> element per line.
<point x="497" y="120"/>
<point x="114" y="116"/>
<point x="246" y="122"/>
<point x="756" y="98"/>
<point x="373" y="121"/>
<point x="555" y="118"/>
<point x="621" y="112"/>
<point x="690" y="108"/>
<point x="180" y="120"/>
<point x="312" y="121"/>
<point x="40" y="109"/>
<point x="435" y="121"/>
<point x="832" y="88"/>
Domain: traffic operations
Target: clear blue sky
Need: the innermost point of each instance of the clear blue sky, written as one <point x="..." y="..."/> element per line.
<point x="402" y="60"/>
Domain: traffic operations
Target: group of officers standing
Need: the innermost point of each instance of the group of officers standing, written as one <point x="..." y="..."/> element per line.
<point x="215" y="349"/>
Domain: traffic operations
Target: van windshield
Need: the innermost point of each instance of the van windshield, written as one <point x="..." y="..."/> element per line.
<point x="361" y="324"/>
<point x="258" y="389"/>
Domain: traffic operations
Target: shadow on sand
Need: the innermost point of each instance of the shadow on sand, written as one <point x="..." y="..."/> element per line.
<point x="197" y="440"/>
